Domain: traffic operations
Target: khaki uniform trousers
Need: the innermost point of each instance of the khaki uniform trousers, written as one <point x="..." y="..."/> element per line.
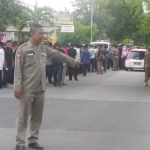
<point x="147" y="74"/>
<point x="63" y="74"/>
<point x="31" y="104"/>
<point x="115" y="61"/>
<point x="99" y="67"/>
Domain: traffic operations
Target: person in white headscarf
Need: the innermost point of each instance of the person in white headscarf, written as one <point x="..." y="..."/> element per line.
<point x="123" y="57"/>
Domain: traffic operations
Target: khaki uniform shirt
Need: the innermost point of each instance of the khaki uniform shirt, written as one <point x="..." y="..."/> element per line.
<point x="116" y="54"/>
<point x="30" y="74"/>
<point x="147" y="59"/>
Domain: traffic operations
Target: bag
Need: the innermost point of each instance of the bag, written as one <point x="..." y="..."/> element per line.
<point x="91" y="54"/>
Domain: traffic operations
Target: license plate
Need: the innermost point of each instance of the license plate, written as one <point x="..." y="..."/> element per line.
<point x="137" y="63"/>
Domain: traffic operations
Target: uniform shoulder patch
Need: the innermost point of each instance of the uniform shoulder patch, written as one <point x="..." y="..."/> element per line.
<point x="25" y="44"/>
<point x="21" y="48"/>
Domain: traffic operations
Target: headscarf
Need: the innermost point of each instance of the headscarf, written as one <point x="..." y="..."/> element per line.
<point x="124" y="52"/>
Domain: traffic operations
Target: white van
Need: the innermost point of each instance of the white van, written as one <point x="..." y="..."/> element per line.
<point x="102" y="42"/>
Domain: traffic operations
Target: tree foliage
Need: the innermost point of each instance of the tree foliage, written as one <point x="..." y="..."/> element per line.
<point x="117" y="20"/>
<point x="42" y="14"/>
<point x="11" y="13"/>
<point x="14" y="13"/>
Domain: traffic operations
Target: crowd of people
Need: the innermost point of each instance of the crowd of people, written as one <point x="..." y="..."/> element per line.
<point x="93" y="59"/>
<point x="7" y="63"/>
<point x="96" y="59"/>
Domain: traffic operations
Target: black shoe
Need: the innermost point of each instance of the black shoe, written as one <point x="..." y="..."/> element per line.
<point x="21" y="148"/>
<point x="35" y="146"/>
<point x="63" y="84"/>
<point x="58" y="85"/>
<point x="76" y="80"/>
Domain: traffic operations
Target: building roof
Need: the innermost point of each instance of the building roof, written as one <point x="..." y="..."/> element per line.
<point x="27" y="29"/>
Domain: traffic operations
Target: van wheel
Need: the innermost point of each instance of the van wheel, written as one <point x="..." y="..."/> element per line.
<point x="126" y="69"/>
<point x="131" y="69"/>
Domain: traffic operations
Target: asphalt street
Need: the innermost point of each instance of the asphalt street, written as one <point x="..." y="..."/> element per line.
<point x="99" y="112"/>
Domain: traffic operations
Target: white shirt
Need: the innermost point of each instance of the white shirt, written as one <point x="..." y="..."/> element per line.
<point x="1" y="59"/>
<point x="78" y="54"/>
<point x="96" y="51"/>
<point x="92" y="53"/>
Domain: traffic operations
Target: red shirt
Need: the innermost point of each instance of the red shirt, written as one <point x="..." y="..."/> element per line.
<point x="65" y="51"/>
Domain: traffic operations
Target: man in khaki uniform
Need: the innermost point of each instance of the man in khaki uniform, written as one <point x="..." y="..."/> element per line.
<point x="30" y="85"/>
<point x="99" y="60"/>
<point x="147" y="66"/>
<point x="115" y="58"/>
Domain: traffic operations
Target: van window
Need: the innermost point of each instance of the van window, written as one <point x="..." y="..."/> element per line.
<point x="103" y="45"/>
<point x="139" y="55"/>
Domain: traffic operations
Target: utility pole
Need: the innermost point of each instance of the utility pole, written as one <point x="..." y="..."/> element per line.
<point x="92" y="20"/>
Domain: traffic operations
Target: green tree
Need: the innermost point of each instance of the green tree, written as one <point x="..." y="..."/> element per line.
<point x="11" y="13"/>
<point x="42" y="14"/>
<point x="82" y="13"/>
<point x="125" y="18"/>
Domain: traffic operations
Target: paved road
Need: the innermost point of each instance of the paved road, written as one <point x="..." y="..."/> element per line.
<point x="100" y="112"/>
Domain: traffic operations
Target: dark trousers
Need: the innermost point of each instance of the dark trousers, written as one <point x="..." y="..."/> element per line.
<point x="58" y="74"/>
<point x="49" y="73"/>
<point x="80" y="70"/>
<point x="123" y="63"/>
<point x="7" y="76"/>
<point x="12" y="77"/>
<point x="0" y="79"/>
<point x="92" y="63"/>
<point x="85" y="67"/>
<point x="72" y="71"/>
<point x="105" y="62"/>
<point x="119" y="64"/>
<point x="95" y="64"/>
<point x="110" y="64"/>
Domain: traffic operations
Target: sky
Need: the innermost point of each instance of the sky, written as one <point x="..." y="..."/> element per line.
<point x="55" y="4"/>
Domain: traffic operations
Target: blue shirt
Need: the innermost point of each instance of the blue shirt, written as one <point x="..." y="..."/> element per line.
<point x="48" y="61"/>
<point x="85" y="56"/>
<point x="110" y="53"/>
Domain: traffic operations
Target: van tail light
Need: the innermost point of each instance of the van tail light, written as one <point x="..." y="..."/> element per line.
<point x="127" y="58"/>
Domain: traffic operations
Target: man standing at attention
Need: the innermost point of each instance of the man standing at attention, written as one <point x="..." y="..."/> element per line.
<point x="72" y="71"/>
<point x="85" y="59"/>
<point x="8" y="64"/>
<point x="64" y="48"/>
<point x="110" y="59"/>
<point x="105" y="60"/>
<point x="115" y="58"/>
<point x="58" y="68"/>
<point x="30" y="85"/>
<point x="92" y="59"/>
<point x="99" y="60"/>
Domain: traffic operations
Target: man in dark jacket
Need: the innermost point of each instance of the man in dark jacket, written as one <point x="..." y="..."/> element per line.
<point x="120" y="53"/>
<point x="8" y="64"/>
<point x="72" y="71"/>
